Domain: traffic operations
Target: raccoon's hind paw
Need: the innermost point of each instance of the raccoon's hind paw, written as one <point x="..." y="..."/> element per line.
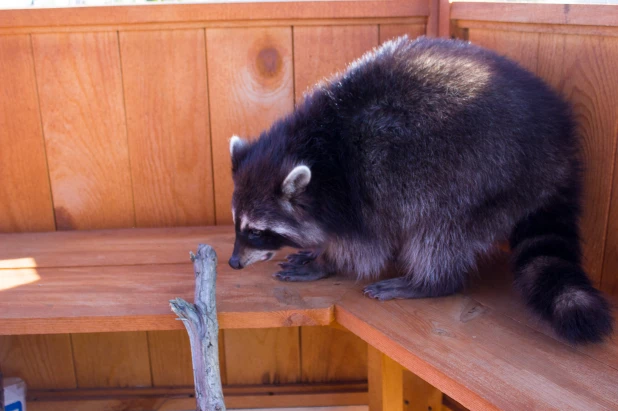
<point x="392" y="288"/>
<point x="300" y="272"/>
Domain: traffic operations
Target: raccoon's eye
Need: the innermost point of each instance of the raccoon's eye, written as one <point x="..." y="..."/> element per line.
<point x="255" y="233"/>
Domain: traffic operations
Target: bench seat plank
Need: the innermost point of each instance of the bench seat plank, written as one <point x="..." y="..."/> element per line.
<point x="483" y="349"/>
<point x="122" y="280"/>
<point x="111" y="247"/>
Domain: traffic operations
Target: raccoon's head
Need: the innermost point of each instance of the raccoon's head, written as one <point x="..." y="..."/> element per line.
<point x="268" y="204"/>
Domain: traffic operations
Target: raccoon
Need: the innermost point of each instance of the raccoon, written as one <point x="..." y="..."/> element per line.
<point x="417" y="160"/>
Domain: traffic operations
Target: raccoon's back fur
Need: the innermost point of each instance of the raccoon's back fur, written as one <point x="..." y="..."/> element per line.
<point x="420" y="157"/>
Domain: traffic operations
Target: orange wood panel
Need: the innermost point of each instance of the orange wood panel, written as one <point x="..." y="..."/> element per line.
<point x="609" y="281"/>
<point x="82" y="109"/>
<point x="419" y="395"/>
<point x="332" y="354"/>
<point x="266" y="12"/>
<point x="97" y="291"/>
<point x="25" y="196"/>
<point x="168" y="126"/>
<point x="322" y="51"/>
<point x="484" y="358"/>
<point x="574" y="14"/>
<point x="251" y="85"/>
<point x="391" y="31"/>
<point x="385" y="378"/>
<point x="42" y="361"/>
<point x="111" y="360"/>
<point x="264" y="356"/>
<point x="170" y="358"/>
<point x="520" y="46"/>
<point x="583" y="68"/>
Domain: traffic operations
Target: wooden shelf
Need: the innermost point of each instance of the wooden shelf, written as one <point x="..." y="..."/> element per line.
<point x="481" y="348"/>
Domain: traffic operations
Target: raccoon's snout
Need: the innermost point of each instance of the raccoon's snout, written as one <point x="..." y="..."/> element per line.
<point x="235" y="262"/>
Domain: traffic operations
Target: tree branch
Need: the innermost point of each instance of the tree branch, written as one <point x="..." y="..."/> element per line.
<point x="200" y="320"/>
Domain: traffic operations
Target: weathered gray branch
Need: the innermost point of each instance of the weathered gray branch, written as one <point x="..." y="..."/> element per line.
<point x="200" y="320"/>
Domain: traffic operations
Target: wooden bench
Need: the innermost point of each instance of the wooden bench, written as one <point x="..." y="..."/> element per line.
<point x="481" y="348"/>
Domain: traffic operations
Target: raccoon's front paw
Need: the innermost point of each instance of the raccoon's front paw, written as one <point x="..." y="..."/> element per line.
<point x="299" y="272"/>
<point x="301" y="258"/>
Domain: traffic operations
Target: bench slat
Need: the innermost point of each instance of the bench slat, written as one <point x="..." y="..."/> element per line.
<point x="111" y="247"/>
<point x="122" y="280"/>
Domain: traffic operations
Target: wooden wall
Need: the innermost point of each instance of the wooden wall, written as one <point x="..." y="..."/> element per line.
<point x="120" y="117"/>
<point x="575" y="49"/>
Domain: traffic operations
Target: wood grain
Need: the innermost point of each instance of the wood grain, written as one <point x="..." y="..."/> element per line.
<point x="522" y="47"/>
<point x="168" y="126"/>
<point x="111" y="360"/>
<point x="81" y="99"/>
<point x="609" y="280"/>
<point x="95" y="290"/>
<point x="251" y="81"/>
<point x="170" y="358"/>
<point x="482" y="358"/>
<point x="180" y="398"/>
<point x="111" y="247"/>
<point x="583" y="69"/>
<point x="332" y="354"/>
<point x="25" y="195"/>
<point x="136" y="15"/>
<point x="391" y="31"/>
<point x="42" y="361"/>
<point x="419" y="395"/>
<point x="385" y="381"/>
<point x="574" y="14"/>
<point x="322" y="51"/>
<point x="265" y="356"/>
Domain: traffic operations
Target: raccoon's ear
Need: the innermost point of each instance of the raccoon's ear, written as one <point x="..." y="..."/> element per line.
<point x="236" y="143"/>
<point x="296" y="182"/>
<point x="237" y="148"/>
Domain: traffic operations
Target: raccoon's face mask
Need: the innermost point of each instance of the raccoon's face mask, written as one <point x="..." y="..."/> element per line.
<point x="262" y="225"/>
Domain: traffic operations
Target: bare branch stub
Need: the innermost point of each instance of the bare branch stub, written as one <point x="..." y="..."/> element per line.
<point x="200" y="320"/>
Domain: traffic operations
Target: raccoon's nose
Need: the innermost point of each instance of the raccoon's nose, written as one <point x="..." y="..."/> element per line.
<point x="235" y="263"/>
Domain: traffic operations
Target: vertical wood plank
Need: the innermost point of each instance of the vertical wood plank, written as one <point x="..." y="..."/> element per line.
<point x="419" y="395"/>
<point x="385" y="379"/>
<point x="170" y="358"/>
<point x="332" y="354"/>
<point x="42" y="361"/>
<point x="166" y="97"/>
<point x="25" y="195"/>
<point x="82" y="108"/>
<point x="320" y="51"/>
<point x="111" y="360"/>
<point x="583" y="69"/>
<point x="522" y="47"/>
<point x="262" y="356"/>
<point x="609" y="280"/>
<point x="251" y="85"/>
<point x="391" y="31"/>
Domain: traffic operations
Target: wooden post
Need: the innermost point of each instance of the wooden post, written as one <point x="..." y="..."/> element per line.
<point x="200" y="320"/>
<point x="385" y="380"/>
